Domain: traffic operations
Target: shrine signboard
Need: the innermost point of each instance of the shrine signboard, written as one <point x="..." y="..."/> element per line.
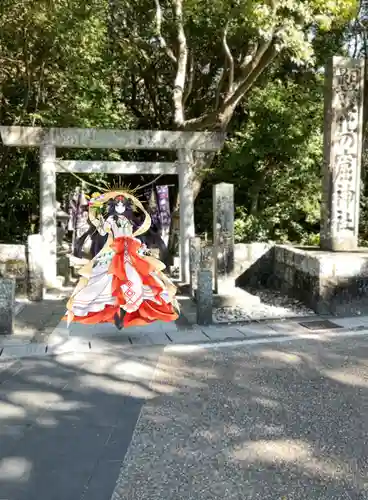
<point x="342" y="154"/>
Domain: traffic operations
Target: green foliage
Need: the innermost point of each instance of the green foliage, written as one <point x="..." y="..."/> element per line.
<point x="54" y="71"/>
<point x="274" y="160"/>
<point x="99" y="63"/>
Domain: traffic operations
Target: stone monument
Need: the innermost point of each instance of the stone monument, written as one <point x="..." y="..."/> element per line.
<point x="343" y="134"/>
<point x="333" y="279"/>
<point x="35" y="267"/>
<point x="204" y="297"/>
<point x="194" y="264"/>
<point x="223" y="232"/>
<point x="7" y="297"/>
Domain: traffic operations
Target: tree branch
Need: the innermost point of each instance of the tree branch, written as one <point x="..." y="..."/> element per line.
<point x="162" y="40"/>
<point x="182" y="59"/>
<point x="256" y="56"/>
<point x="152" y="96"/>
<point x="248" y="58"/>
<point x="229" y="61"/>
<point x="263" y="59"/>
<point x="190" y="79"/>
<point x="219" y="88"/>
<point x="220" y="118"/>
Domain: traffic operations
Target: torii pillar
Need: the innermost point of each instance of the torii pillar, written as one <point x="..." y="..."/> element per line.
<point x="48" y="139"/>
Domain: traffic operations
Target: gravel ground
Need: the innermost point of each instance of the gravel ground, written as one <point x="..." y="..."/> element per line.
<point x="273" y="305"/>
<point x="268" y="422"/>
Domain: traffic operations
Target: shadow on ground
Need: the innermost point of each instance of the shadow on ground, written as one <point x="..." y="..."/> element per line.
<point x="66" y="422"/>
<point x="268" y="423"/>
<point x="39" y="316"/>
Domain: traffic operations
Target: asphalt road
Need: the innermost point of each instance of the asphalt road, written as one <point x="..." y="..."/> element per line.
<point x="259" y="421"/>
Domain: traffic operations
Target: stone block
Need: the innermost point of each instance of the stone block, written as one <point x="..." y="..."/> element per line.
<point x="7" y="296"/>
<point x="12" y="253"/>
<point x="279" y="269"/>
<point x="298" y="258"/>
<point x="346" y="267"/>
<point x="326" y="266"/>
<point x="328" y="282"/>
<point x="256" y="250"/>
<point x="241" y="251"/>
<point x="223" y="230"/>
<point x="289" y="256"/>
<point x="207" y="257"/>
<point x="194" y="263"/>
<point x="13" y="265"/>
<point x="278" y="251"/>
<point x="204" y="297"/>
<point x="312" y="265"/>
<point x="290" y="275"/>
<point x="35" y="284"/>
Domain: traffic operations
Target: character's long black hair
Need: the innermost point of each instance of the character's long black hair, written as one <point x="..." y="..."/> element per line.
<point x="98" y="241"/>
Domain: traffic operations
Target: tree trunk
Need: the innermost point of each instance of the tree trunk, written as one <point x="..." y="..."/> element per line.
<point x="202" y="164"/>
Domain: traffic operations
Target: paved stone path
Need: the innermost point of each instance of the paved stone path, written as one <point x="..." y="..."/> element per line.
<point x="66" y="422"/>
<point x="94" y="337"/>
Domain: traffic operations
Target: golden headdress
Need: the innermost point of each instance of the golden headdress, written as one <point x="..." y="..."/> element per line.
<point x="99" y="199"/>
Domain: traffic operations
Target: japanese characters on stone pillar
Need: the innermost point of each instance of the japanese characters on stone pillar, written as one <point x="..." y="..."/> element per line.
<point x="343" y="127"/>
<point x="223" y="231"/>
<point x="204" y="297"/>
<point x="195" y="263"/>
<point x="48" y="211"/>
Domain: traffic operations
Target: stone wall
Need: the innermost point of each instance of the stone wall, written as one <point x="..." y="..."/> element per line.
<point x="328" y="282"/>
<point x="13" y="264"/>
<point x="296" y="273"/>
<point x="253" y="263"/>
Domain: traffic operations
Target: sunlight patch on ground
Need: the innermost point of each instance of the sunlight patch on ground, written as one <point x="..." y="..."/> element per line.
<point x="132" y="368"/>
<point x="267" y="402"/>
<point x="281" y="357"/>
<point x="293" y="452"/>
<point x="15" y="469"/>
<point x="346" y="377"/>
<point x="8" y="410"/>
<point x="34" y="399"/>
<point x="280" y="450"/>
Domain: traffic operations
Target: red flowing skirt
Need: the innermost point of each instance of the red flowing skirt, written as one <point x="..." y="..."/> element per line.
<point x="149" y="310"/>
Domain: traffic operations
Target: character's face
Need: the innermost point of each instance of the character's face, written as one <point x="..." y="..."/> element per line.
<point x="119" y="207"/>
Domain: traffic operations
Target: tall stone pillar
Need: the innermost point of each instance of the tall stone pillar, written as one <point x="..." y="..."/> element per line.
<point x="223" y="231"/>
<point x="35" y="260"/>
<point x="48" y="212"/>
<point x="343" y="131"/>
<point x="187" y="230"/>
<point x="195" y="263"/>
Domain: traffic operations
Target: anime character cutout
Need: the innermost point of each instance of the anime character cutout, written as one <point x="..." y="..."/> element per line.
<point x="121" y="284"/>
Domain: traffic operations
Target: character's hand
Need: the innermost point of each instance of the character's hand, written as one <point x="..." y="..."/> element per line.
<point x="144" y="250"/>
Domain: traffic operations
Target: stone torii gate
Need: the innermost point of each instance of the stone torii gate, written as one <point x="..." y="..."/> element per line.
<point x="48" y="139"/>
